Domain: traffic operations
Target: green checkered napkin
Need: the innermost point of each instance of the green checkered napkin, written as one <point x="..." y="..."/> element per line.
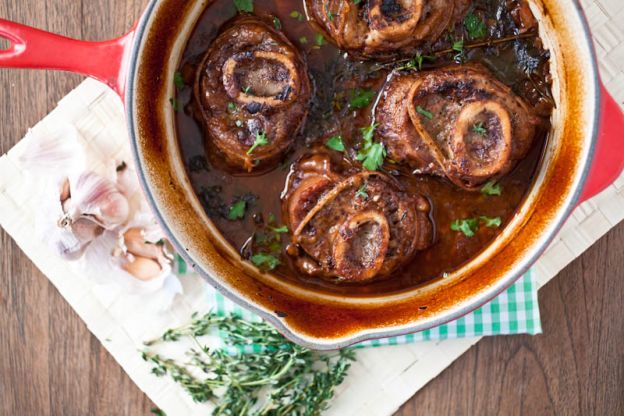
<point x="514" y="311"/>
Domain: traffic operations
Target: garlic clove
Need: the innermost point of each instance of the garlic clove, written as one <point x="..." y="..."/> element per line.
<point x="99" y="199"/>
<point x="55" y="153"/>
<point x="143" y="268"/>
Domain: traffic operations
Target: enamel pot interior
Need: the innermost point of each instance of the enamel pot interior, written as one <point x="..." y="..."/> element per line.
<point x="318" y="318"/>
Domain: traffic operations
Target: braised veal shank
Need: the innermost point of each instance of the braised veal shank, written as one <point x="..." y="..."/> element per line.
<point x="253" y="92"/>
<point x="352" y="226"/>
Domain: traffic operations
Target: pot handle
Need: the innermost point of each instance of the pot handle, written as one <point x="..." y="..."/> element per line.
<point x="608" y="161"/>
<point x="37" y="49"/>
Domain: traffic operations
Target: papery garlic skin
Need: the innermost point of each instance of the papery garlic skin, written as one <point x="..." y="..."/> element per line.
<point x="55" y="155"/>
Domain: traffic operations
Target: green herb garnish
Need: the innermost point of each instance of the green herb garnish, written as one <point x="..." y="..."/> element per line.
<point x="491" y="188"/>
<point x="280" y="230"/>
<point x="458" y="45"/>
<point x="174" y="104"/>
<point x="424" y="112"/>
<point x="468" y="226"/>
<point x="303" y="40"/>
<point x="265" y="261"/>
<point x="356" y="2"/>
<point x="244" y="5"/>
<point x="330" y="15"/>
<point x="178" y="80"/>
<point x="491" y="222"/>
<point x="319" y="40"/>
<point x="231" y="107"/>
<point x="246" y="90"/>
<point x="261" y="140"/>
<point x="335" y="143"/>
<point x="479" y="129"/>
<point x="277" y="24"/>
<point x="475" y="26"/>
<point x="361" y="97"/>
<point x="277" y="378"/>
<point x="361" y="192"/>
<point x="296" y="15"/>
<point x="237" y="210"/>
<point x="371" y="154"/>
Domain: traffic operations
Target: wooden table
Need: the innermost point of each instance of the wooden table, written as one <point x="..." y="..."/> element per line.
<point x="51" y="364"/>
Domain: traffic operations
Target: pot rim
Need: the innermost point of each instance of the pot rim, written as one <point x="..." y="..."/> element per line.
<point x="449" y="315"/>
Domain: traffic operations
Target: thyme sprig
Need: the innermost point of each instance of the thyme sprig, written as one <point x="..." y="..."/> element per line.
<point x="282" y="379"/>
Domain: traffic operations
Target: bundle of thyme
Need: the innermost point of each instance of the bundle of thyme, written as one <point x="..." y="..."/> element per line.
<point x="282" y="379"/>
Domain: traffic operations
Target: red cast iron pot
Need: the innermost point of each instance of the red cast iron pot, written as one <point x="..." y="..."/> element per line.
<point x="583" y="155"/>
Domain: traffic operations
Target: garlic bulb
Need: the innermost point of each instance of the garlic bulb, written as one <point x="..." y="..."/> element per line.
<point x="97" y="199"/>
<point x="56" y="154"/>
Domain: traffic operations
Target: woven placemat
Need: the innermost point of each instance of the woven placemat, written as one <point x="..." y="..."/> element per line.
<point x="399" y="371"/>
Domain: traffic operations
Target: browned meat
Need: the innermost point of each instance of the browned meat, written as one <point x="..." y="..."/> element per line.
<point x="457" y="121"/>
<point x="383" y="28"/>
<point x="252" y="87"/>
<point x="352" y="226"/>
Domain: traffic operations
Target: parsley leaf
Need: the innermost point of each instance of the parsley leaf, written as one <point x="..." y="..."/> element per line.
<point x="261" y="140"/>
<point x="265" y="261"/>
<point x="296" y="15"/>
<point x="361" y="192"/>
<point x="371" y="154"/>
<point x="244" y="5"/>
<point x="479" y="129"/>
<point x="277" y="23"/>
<point x="356" y="2"/>
<point x="280" y="230"/>
<point x="423" y="112"/>
<point x="178" y="80"/>
<point x="491" y="188"/>
<point x="237" y="210"/>
<point x="335" y="143"/>
<point x="458" y="45"/>
<point x="319" y="40"/>
<point x="468" y="226"/>
<point x="231" y="107"/>
<point x="361" y="97"/>
<point x="303" y="40"/>
<point x="246" y="90"/>
<point x="491" y="222"/>
<point x="475" y="26"/>
<point x="174" y="104"/>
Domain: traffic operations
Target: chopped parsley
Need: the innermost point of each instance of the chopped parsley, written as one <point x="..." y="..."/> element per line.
<point x="246" y="90"/>
<point x="319" y="40"/>
<point x="361" y="192"/>
<point x="330" y="15"/>
<point x="468" y="226"/>
<point x="423" y="112"/>
<point x="261" y="140"/>
<point x="244" y="5"/>
<point x="361" y="97"/>
<point x="416" y="62"/>
<point x="475" y="26"/>
<point x="458" y="45"/>
<point x="491" y="188"/>
<point x="491" y="222"/>
<point x="356" y="2"/>
<point x="231" y="107"/>
<point x="296" y="15"/>
<point x="174" y="104"/>
<point x="178" y="80"/>
<point x="372" y="153"/>
<point x="280" y="230"/>
<point x="303" y="40"/>
<point x="479" y="129"/>
<point x="237" y="210"/>
<point x="335" y="143"/>
<point x="265" y="261"/>
<point x="277" y="24"/>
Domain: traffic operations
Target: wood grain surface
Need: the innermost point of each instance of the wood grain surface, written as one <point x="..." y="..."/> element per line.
<point x="50" y="364"/>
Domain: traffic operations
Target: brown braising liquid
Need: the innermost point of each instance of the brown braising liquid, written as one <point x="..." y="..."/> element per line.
<point x="521" y="64"/>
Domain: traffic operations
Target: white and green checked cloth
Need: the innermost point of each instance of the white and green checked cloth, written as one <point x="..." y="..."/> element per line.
<point x="515" y="311"/>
